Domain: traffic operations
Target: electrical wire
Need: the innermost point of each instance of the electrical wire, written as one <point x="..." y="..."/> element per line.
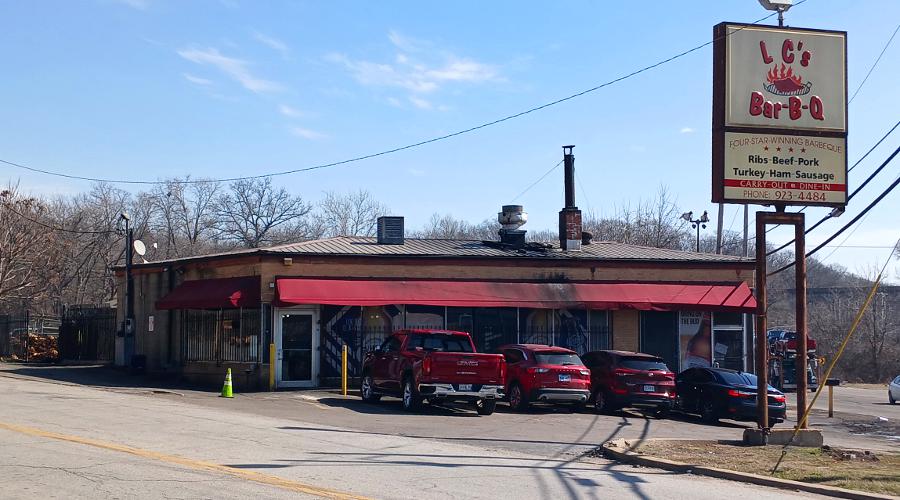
<point x="399" y="148"/>
<point x="855" y="191"/>
<point x="886" y="45"/>
<point x="863" y="157"/>
<point x="54" y="228"/>
<point x="535" y="183"/>
<point x="847" y="225"/>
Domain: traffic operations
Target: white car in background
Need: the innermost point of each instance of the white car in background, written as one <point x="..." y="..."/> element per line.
<point x="894" y="390"/>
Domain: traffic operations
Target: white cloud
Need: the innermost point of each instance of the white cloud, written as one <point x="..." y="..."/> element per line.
<point x="273" y="43"/>
<point x="411" y="74"/>
<point x="237" y="69"/>
<point x="197" y="80"/>
<point x="420" y="103"/>
<point x="289" y="111"/>
<point x="393" y="101"/>
<point x="686" y="130"/>
<point x="306" y="133"/>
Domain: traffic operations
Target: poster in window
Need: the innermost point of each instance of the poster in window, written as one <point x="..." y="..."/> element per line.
<point x="695" y="339"/>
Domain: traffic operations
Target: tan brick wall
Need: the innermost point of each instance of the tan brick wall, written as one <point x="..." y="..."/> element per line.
<point x="626" y="329"/>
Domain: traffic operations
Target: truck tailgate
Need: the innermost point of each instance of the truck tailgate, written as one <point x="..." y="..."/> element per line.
<point x="466" y="368"/>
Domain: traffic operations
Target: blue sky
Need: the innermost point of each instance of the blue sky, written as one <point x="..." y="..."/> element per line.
<point x="145" y="89"/>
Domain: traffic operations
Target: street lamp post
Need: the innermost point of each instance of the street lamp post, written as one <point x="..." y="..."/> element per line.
<point x="696" y="223"/>
<point x="128" y="330"/>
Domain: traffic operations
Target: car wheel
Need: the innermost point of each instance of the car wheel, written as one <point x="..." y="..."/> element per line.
<point x="708" y="411"/>
<point x="485" y="406"/>
<point x="601" y="402"/>
<point x="412" y="401"/>
<point x="367" y="390"/>
<point x="891" y="398"/>
<point x="517" y="399"/>
<point x="772" y="422"/>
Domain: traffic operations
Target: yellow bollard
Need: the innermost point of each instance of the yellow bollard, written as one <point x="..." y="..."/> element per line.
<point x="272" y="362"/>
<point x="344" y="369"/>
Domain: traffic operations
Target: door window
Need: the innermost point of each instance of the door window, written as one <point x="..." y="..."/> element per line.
<point x="296" y="346"/>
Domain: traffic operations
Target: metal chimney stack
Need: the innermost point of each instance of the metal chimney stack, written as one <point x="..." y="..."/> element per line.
<point x="570" y="236"/>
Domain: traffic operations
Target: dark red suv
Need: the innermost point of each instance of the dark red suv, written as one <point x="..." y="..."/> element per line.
<point x="542" y="373"/>
<point x="622" y="379"/>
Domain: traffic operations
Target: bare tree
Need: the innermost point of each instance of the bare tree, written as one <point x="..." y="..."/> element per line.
<point x="449" y="227"/>
<point x="350" y="214"/>
<point x="249" y="211"/>
<point x="26" y="248"/>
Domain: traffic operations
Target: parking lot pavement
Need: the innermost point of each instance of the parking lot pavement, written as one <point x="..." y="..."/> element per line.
<point x="117" y="443"/>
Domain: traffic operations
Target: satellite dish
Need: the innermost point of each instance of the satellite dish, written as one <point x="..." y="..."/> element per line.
<point x="139" y="247"/>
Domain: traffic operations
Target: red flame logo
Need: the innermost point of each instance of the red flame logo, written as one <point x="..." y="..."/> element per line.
<point x="784" y="79"/>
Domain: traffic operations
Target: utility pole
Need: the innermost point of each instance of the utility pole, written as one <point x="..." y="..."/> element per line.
<point x="719" y="219"/>
<point x="128" y="327"/>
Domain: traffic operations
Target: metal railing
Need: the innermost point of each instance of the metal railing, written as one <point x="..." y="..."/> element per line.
<point x="221" y="335"/>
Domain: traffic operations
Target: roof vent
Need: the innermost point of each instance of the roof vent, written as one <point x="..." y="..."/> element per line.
<point x="511" y="218"/>
<point x="390" y="230"/>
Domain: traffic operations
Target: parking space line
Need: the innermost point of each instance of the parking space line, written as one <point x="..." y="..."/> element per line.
<point x="249" y="475"/>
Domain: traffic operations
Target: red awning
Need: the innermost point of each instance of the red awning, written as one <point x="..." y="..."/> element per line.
<point x="643" y="296"/>
<point x="221" y="293"/>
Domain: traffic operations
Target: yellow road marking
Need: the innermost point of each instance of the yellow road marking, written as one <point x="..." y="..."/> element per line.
<point x="187" y="462"/>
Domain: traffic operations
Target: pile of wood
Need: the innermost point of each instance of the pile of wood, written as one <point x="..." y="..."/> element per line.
<point x="40" y="348"/>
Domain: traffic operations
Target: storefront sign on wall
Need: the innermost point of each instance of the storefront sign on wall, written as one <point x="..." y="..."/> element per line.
<point x="779" y="116"/>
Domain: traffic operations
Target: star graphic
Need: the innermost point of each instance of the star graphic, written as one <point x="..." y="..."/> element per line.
<point x="802" y="150"/>
<point x="766" y="148"/>
<point x="790" y="150"/>
<point x="778" y="148"/>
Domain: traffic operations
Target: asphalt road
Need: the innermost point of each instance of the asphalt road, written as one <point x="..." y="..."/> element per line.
<point x="71" y="441"/>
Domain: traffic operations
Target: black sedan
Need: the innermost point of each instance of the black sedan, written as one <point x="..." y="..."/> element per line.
<point x="716" y="393"/>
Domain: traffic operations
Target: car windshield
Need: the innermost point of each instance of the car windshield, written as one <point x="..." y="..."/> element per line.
<point x="644" y="364"/>
<point x="557" y="358"/>
<point x="440" y="342"/>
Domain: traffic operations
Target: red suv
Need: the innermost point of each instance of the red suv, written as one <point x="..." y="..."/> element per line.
<point x="630" y="379"/>
<point x="541" y="373"/>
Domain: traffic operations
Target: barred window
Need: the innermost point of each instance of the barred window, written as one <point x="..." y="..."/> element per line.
<point x="221" y="335"/>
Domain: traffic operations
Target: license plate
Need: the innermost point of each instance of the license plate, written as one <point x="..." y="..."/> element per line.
<point x="649" y="388"/>
<point x="465" y="387"/>
<point x="565" y="378"/>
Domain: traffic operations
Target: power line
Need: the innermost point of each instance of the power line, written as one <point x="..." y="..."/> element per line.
<point x="408" y="146"/>
<point x="535" y="183"/>
<point x="54" y="228"/>
<point x="885" y="136"/>
<point x="857" y="190"/>
<point x="886" y="45"/>
<point x="847" y="225"/>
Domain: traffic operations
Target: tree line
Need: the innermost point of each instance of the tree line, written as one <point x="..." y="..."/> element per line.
<point x="60" y="252"/>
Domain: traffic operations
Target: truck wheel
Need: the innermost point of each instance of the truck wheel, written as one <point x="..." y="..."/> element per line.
<point x="485" y="406"/>
<point x="412" y="401"/>
<point x="367" y="390"/>
<point x="517" y="399"/>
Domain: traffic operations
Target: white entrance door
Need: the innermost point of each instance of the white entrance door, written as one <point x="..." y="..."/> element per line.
<point x="297" y="348"/>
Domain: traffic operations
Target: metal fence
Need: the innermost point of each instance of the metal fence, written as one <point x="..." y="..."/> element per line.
<point x="88" y="334"/>
<point x="29" y="337"/>
<point x="221" y="335"/>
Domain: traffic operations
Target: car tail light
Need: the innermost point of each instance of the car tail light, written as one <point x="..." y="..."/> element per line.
<point x="586" y="373"/>
<point x="503" y="370"/>
<point x="778" y="398"/>
<point x="622" y="372"/>
<point x="426" y="365"/>
<point x="740" y="394"/>
<point x="538" y="369"/>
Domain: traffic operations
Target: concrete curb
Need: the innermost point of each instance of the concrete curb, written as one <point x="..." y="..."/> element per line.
<point x="622" y="450"/>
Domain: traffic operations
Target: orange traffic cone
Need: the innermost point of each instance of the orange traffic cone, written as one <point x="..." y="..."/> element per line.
<point x="226" y="389"/>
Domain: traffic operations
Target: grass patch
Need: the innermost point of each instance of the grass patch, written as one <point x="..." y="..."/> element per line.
<point x="852" y="469"/>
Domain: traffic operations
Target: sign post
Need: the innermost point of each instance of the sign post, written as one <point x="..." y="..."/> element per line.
<point x="779" y="139"/>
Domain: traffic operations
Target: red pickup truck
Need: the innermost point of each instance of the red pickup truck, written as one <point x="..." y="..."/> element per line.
<point x="433" y="365"/>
